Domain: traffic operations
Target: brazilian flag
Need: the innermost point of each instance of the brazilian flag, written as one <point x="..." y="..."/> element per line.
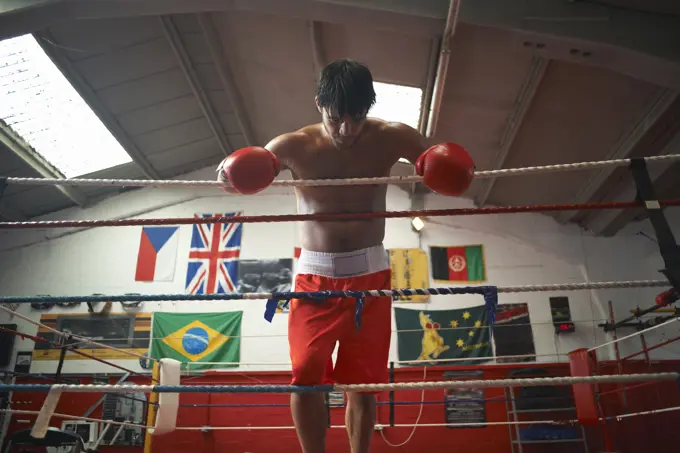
<point x="197" y="337"/>
<point x="426" y="336"/>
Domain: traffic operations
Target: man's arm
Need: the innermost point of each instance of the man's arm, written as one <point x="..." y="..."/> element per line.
<point x="286" y="146"/>
<point x="251" y="169"/>
<point x="446" y="168"/>
<point x="408" y="143"/>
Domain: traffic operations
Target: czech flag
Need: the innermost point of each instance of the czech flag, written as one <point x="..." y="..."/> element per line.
<point x="157" y="254"/>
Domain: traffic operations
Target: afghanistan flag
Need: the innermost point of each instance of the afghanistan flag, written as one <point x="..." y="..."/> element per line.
<point x="442" y="334"/>
<point x="458" y="264"/>
<point x="197" y="337"/>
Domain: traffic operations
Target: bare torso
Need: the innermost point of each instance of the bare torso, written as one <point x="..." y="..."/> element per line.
<point x="370" y="156"/>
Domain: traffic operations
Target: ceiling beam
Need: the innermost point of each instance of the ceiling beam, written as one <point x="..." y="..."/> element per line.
<point x="524" y="99"/>
<point x="318" y="50"/>
<point x="622" y="150"/>
<point x="442" y="67"/>
<point x="90" y="97"/>
<point x="7" y="6"/>
<point x="649" y="40"/>
<point x="26" y="153"/>
<point x="425" y="106"/>
<point x="638" y="44"/>
<point x="175" y="40"/>
<point x="373" y="14"/>
<point x="608" y="222"/>
<point x="426" y="100"/>
<point x="217" y="54"/>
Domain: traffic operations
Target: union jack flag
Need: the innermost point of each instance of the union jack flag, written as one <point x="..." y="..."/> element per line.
<point x="213" y="256"/>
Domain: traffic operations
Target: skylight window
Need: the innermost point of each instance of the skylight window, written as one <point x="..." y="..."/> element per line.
<point x="40" y="105"/>
<point x="397" y="103"/>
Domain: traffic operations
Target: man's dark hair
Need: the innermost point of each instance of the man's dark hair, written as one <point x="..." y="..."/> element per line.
<point x="346" y="86"/>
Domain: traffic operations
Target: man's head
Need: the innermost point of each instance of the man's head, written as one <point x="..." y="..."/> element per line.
<point x="344" y="96"/>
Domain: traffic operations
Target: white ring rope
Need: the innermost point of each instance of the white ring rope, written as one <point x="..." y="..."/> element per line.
<point x="249" y="428"/>
<point x="506" y="289"/>
<point x="383" y="426"/>
<point x="396" y="362"/>
<point x="338" y="182"/>
<point x="378" y="425"/>
<point x="654" y="411"/>
<point x="641" y="332"/>
<point x="69" y="336"/>
<point x="457" y="291"/>
<point x="75" y="417"/>
<point x="397" y="331"/>
<point x="584" y="286"/>
<point x="519" y="382"/>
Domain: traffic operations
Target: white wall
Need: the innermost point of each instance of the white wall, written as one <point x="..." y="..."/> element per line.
<point x="520" y="249"/>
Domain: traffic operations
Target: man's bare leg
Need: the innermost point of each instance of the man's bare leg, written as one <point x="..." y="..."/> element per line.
<point x="310" y="419"/>
<point x="360" y="420"/>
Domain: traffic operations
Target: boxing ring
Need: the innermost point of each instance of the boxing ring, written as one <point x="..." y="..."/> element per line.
<point x="591" y="380"/>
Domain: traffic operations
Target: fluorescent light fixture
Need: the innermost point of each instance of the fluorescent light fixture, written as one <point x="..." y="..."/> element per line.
<point x="417" y="224"/>
<point x="40" y="105"/>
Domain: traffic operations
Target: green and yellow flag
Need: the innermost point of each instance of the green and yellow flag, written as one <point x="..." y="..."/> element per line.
<point x="409" y="270"/>
<point x="442" y="334"/>
<point x="197" y="337"/>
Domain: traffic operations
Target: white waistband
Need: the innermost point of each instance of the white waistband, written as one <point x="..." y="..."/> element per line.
<point x="346" y="264"/>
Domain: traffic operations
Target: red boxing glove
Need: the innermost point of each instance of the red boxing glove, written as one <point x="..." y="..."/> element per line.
<point x="446" y="168"/>
<point x="249" y="170"/>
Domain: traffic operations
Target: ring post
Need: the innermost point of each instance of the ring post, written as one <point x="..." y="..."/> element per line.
<point x="153" y="409"/>
<point x="168" y="402"/>
<point x="391" y="394"/>
<point x="584" y="394"/>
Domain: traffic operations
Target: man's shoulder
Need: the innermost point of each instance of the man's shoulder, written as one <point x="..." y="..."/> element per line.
<point x="394" y="133"/>
<point x="401" y="139"/>
<point x="394" y="128"/>
<point x="291" y="142"/>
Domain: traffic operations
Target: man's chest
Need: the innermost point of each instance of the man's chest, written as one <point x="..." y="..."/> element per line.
<point x="357" y="162"/>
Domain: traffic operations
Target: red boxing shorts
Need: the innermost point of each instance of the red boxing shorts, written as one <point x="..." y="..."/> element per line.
<point x="315" y="326"/>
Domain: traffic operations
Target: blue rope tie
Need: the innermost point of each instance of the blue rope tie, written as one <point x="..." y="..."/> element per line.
<point x="486" y="291"/>
<point x="490" y="294"/>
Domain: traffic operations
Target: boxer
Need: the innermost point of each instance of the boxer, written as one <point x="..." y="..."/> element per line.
<point x="343" y="255"/>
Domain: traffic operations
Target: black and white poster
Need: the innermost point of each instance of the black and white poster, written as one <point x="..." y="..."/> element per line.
<point x="265" y="276"/>
<point x="463" y="404"/>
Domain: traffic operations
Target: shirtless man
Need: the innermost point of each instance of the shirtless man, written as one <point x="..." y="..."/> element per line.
<point x="343" y="255"/>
